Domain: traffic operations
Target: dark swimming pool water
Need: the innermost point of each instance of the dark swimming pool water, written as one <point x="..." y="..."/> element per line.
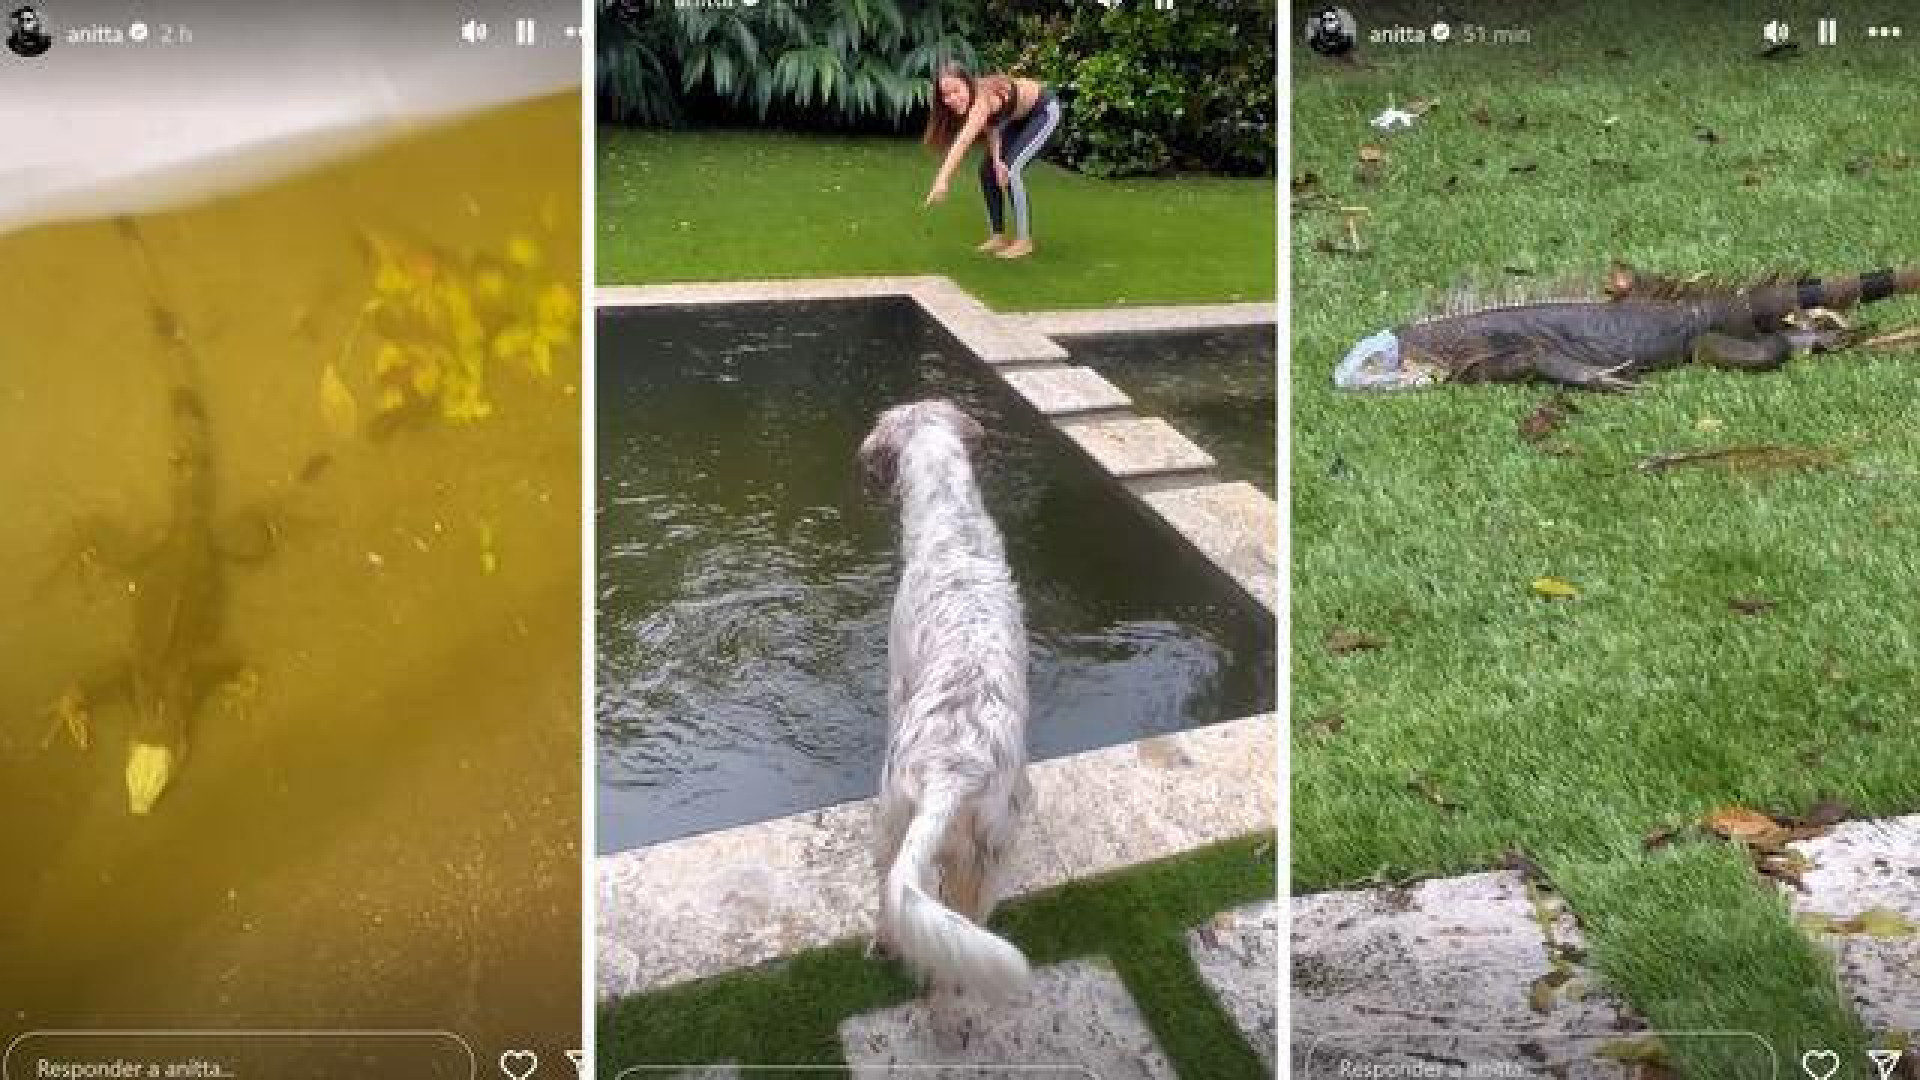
<point x="1219" y="387"/>
<point x="744" y="580"/>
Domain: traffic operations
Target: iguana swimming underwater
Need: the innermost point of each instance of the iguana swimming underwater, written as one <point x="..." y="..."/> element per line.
<point x="177" y="585"/>
<point x="1647" y="324"/>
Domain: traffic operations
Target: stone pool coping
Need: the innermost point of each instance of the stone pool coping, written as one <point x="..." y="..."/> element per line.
<point x="706" y="904"/>
<point x="1235" y="526"/>
<point x="1103" y="322"/>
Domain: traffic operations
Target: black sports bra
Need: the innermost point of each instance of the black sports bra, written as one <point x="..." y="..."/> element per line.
<point x="1007" y="107"/>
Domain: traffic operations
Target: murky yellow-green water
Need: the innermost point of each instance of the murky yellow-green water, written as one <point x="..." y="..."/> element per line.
<point x="377" y="820"/>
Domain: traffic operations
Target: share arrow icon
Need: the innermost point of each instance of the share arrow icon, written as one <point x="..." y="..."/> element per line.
<point x="1885" y="1060"/>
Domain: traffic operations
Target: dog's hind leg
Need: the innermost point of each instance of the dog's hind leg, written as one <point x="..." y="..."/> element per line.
<point x="891" y="819"/>
<point x="964" y="885"/>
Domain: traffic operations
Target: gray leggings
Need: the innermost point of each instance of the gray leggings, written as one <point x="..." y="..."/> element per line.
<point x="1020" y="142"/>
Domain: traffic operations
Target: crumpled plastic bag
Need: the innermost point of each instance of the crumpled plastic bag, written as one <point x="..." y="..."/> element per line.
<point x="1375" y="364"/>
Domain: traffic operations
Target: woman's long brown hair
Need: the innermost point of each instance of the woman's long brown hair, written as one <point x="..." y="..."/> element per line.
<point x="942" y="125"/>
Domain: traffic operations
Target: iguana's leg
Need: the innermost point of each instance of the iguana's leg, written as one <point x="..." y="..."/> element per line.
<point x="69" y="712"/>
<point x="1766" y="353"/>
<point x="94" y="546"/>
<point x="232" y="686"/>
<point x="72" y="711"/>
<point x="1566" y="371"/>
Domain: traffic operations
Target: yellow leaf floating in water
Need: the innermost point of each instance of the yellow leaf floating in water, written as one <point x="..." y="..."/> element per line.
<point x="337" y="406"/>
<point x="489" y="562"/>
<point x="522" y="251"/>
<point x="1554" y="588"/>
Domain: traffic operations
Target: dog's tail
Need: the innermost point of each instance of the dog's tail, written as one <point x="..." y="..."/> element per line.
<point x="935" y="939"/>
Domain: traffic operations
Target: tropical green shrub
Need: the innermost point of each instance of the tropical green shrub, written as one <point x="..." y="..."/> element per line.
<point x="808" y="63"/>
<point x="1149" y="90"/>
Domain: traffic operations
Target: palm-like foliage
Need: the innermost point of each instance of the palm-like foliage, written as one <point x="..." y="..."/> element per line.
<point x="837" y="62"/>
<point x="631" y="65"/>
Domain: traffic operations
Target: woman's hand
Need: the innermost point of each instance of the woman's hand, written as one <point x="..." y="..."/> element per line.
<point x="939" y="192"/>
<point x="1000" y="175"/>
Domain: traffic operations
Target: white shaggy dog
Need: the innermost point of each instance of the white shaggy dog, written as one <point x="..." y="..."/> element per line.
<point x="954" y="781"/>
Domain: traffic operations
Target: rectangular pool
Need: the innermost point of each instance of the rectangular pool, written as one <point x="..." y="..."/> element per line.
<point x="744" y="580"/>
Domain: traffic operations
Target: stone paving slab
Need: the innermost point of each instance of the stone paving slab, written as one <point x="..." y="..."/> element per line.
<point x="755" y="292"/>
<point x="992" y="336"/>
<point x="1140" y="801"/>
<point x="1236" y="526"/>
<point x="1077" y="1023"/>
<point x="1395" y="980"/>
<point x="995" y="338"/>
<point x="1056" y="391"/>
<point x="1862" y="865"/>
<point x="1148" y="320"/>
<point x="1238" y="955"/>
<point x="1129" y="446"/>
<point x="714" y="902"/>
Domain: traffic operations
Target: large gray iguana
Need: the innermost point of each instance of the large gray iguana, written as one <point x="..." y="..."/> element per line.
<point x="1646" y="324"/>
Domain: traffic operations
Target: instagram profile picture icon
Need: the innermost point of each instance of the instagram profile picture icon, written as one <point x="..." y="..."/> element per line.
<point x="1330" y="31"/>
<point x="27" y="33"/>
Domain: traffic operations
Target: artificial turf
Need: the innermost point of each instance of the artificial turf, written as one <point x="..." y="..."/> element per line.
<point x="1738" y="636"/>
<point x="745" y="204"/>
<point x="789" y="1012"/>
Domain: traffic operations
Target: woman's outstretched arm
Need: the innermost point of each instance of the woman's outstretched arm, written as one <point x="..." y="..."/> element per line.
<point x="976" y="123"/>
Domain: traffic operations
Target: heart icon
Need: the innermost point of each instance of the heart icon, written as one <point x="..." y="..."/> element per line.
<point x="519" y="1064"/>
<point x="1820" y="1064"/>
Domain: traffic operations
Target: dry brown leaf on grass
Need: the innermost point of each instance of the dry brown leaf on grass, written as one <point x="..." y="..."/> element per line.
<point x="1373" y="164"/>
<point x="1548" y="417"/>
<point x="1823" y="814"/>
<point x="1787" y="866"/>
<point x="1521" y="863"/>
<point x="1341" y="641"/>
<point x="1745" y="826"/>
<point x="1751" y="605"/>
<point x="1330" y="722"/>
<point x="1658" y="839"/>
<point x="1540" y="995"/>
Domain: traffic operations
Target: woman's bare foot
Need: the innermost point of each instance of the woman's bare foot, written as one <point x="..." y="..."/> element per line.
<point x="1019" y="249"/>
<point x="994" y="243"/>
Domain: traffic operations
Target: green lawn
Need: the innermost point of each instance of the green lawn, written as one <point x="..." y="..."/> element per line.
<point x="720" y="205"/>
<point x="1572" y="728"/>
<point x="788" y="1013"/>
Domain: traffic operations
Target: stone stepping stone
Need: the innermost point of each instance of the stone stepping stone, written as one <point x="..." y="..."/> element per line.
<point x="1859" y="866"/>
<point x="1129" y="446"/>
<point x="1060" y="390"/>
<point x="1236" y="526"/>
<point x="1077" y="1023"/>
<point x="1399" y="982"/>
<point x="1238" y="954"/>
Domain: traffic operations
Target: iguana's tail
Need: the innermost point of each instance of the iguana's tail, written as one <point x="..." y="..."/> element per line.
<point x="1772" y="301"/>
